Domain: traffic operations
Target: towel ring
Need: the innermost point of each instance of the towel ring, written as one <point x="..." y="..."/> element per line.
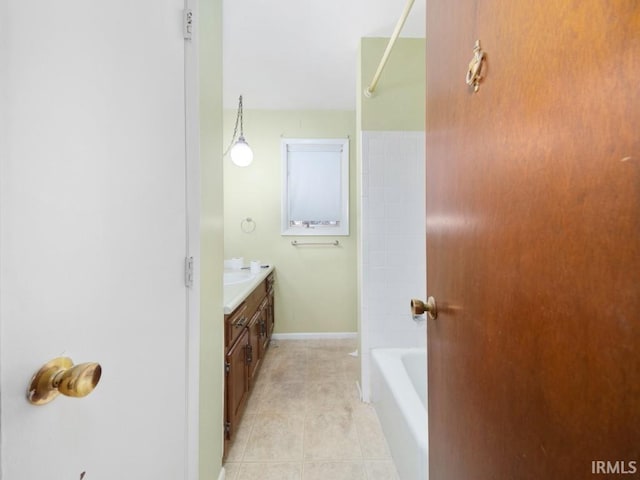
<point x="247" y="225"/>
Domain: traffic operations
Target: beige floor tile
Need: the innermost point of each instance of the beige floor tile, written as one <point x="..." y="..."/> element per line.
<point x="284" y="398"/>
<point x="334" y="471"/>
<point x="287" y="353"/>
<point x="254" y="401"/>
<point x="270" y="471"/>
<point x="285" y="370"/>
<point x="372" y="440"/>
<point x="305" y="406"/>
<point x="351" y="368"/>
<point x="348" y="344"/>
<point x="315" y="343"/>
<point x="231" y="470"/>
<point x="324" y="352"/>
<point x="290" y="344"/>
<point x="276" y="357"/>
<point x="275" y="437"/>
<point x="381" y="470"/>
<point x="332" y="395"/>
<point x="331" y="436"/>
<point x="334" y="344"/>
<point x="241" y="438"/>
<point x="321" y="370"/>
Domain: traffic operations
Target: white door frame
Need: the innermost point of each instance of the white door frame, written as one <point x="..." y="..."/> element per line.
<point x="192" y="176"/>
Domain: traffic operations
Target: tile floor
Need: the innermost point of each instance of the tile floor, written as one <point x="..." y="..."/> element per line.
<point x="304" y="419"/>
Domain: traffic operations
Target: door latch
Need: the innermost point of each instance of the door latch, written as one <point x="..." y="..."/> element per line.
<point x="474" y="74"/>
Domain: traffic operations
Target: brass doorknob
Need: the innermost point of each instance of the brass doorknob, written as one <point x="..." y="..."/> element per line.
<point x="61" y="376"/>
<point x="418" y="307"/>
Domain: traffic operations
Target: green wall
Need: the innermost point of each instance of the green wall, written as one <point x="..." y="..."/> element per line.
<point x="398" y="102"/>
<point x="211" y="238"/>
<point x="315" y="286"/>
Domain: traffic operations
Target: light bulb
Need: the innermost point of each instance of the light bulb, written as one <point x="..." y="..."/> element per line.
<point x="241" y="153"/>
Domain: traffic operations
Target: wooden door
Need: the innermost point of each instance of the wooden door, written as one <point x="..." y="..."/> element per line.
<point x="533" y="239"/>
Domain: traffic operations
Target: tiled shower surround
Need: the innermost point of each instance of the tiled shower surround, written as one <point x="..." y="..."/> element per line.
<point x="392" y="242"/>
<point x="305" y="421"/>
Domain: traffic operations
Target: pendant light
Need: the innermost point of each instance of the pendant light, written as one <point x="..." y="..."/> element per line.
<point x="239" y="150"/>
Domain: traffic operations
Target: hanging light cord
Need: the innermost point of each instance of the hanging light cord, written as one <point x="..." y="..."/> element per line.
<point x="235" y="129"/>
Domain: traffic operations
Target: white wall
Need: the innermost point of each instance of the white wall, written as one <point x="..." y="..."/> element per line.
<point x="93" y="237"/>
<point x="392" y="242"/>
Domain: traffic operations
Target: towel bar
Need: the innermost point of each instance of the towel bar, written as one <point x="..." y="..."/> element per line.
<point x="295" y="243"/>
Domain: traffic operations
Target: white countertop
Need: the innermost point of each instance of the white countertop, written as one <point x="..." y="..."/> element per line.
<point x="234" y="295"/>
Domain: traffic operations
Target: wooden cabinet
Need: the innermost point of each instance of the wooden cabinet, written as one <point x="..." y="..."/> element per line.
<point x="270" y="309"/>
<point x="255" y="346"/>
<point x="236" y="381"/>
<point x="234" y="325"/>
<point x="247" y="332"/>
<point x="265" y="333"/>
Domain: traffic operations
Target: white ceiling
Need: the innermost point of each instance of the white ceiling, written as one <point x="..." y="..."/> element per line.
<point x="302" y="54"/>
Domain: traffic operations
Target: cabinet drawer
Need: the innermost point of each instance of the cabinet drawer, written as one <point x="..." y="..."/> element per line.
<point x="254" y="299"/>
<point x="234" y="324"/>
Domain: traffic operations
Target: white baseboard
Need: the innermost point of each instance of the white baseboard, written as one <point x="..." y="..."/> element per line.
<point x="314" y="336"/>
<point x="222" y="474"/>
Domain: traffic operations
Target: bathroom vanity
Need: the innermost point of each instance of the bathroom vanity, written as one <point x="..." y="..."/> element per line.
<point x="248" y="325"/>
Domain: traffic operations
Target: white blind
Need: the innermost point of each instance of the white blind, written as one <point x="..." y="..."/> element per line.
<point x="314" y="177"/>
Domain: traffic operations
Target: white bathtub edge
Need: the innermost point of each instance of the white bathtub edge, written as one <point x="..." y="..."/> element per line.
<point x="402" y="400"/>
<point x="408" y="403"/>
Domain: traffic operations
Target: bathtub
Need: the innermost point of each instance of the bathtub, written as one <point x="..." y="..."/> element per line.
<point x="399" y="396"/>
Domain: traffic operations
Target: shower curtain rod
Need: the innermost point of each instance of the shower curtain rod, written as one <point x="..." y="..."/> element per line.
<point x="368" y="92"/>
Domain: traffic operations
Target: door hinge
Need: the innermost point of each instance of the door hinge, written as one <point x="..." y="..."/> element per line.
<point x="227" y="429"/>
<point x="188" y="272"/>
<point x="248" y="354"/>
<point x="227" y="368"/>
<point x="187" y="23"/>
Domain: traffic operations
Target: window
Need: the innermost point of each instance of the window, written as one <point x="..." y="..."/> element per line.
<point x="315" y="193"/>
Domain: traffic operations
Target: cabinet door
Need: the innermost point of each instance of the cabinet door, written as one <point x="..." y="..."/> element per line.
<point x="271" y="317"/>
<point x="254" y="356"/>
<point x="236" y="383"/>
<point x="264" y="326"/>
